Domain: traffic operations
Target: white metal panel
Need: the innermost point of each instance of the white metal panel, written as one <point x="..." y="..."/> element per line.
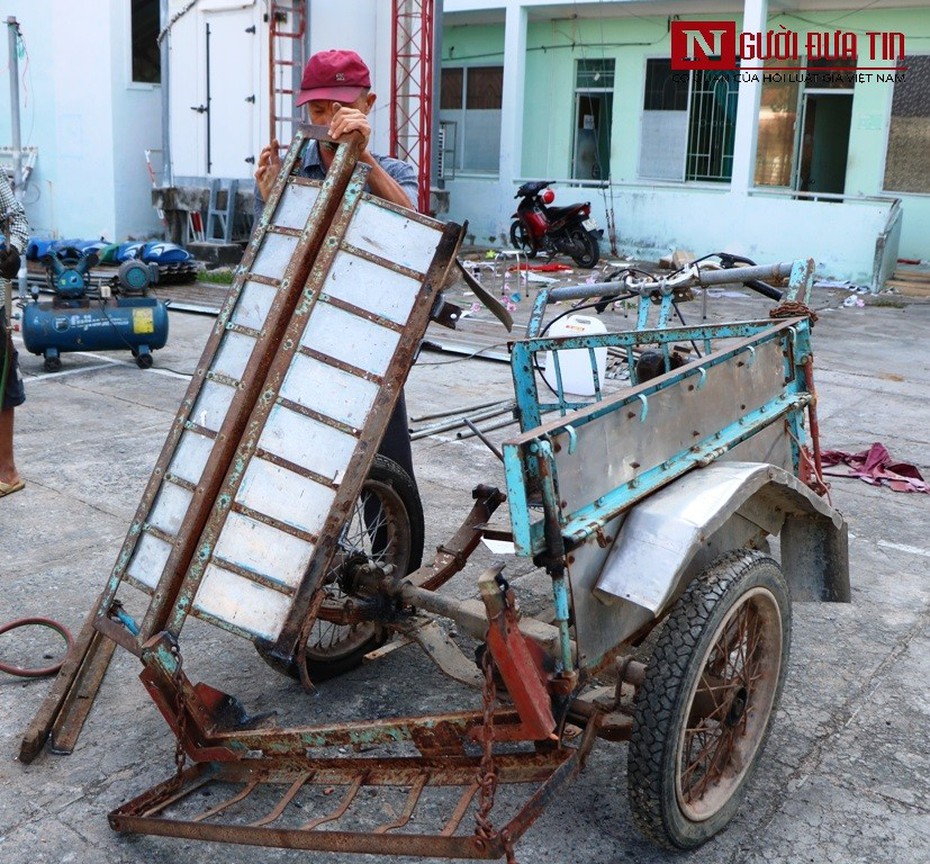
<point x="148" y="560"/>
<point x="241" y="602"/>
<point x="307" y="442"/>
<point x="212" y="405"/>
<point x="253" y="305"/>
<point x="264" y="549"/>
<point x="295" y="206"/>
<point x="190" y="456"/>
<point x="284" y="495"/>
<point x="170" y="508"/>
<point x="233" y="355"/>
<point x="393" y="236"/>
<point x="351" y="339"/>
<point x="329" y="391"/>
<point x="369" y="286"/>
<point x="275" y="254"/>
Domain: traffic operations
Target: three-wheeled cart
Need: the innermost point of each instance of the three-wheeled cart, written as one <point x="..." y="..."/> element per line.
<point x="651" y="508"/>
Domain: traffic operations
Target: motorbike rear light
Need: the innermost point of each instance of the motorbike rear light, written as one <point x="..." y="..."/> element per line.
<point x="548" y="196"/>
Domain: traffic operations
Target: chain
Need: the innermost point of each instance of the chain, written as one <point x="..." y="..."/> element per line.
<point x="180" y="757"/>
<point x="487" y="774"/>
<point x="793" y="309"/>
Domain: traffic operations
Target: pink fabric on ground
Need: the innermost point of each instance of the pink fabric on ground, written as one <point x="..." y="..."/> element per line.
<point x="877" y="468"/>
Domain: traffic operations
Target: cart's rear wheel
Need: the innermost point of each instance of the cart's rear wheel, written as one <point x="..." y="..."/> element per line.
<point x="385" y="525"/>
<point x="702" y="713"/>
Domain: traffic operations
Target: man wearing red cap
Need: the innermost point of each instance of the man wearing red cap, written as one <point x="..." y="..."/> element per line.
<point x="336" y="88"/>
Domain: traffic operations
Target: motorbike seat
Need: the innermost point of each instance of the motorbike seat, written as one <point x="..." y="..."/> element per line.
<point x="558" y="212"/>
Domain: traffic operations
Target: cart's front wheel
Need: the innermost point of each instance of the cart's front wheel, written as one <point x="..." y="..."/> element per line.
<point x="702" y="713"/>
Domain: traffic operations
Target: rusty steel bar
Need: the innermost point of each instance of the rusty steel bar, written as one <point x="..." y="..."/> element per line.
<point x="247" y="790"/>
<point x="452" y="555"/>
<point x="339" y="812"/>
<point x="412" y="798"/>
<point x="71" y="696"/>
<point x="280" y="807"/>
<point x="550" y="770"/>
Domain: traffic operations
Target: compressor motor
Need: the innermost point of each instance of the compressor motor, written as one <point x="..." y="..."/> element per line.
<point x="118" y="314"/>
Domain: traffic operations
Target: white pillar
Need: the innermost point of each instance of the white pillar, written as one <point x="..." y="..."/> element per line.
<point x="755" y="15"/>
<point x="511" y="153"/>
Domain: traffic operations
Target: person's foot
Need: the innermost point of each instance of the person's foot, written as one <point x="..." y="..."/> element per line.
<point x="13" y="485"/>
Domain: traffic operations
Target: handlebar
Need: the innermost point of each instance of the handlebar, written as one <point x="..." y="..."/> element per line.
<point x="533" y="187"/>
<point x="691" y="277"/>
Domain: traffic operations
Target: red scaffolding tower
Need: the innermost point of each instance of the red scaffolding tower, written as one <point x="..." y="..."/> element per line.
<point x="412" y="90"/>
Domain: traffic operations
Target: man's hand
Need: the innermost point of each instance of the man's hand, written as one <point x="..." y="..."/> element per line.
<point x="269" y="166"/>
<point x="348" y="119"/>
<point x="9" y="262"/>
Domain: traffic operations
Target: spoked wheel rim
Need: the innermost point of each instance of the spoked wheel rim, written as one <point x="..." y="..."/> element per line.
<point x="520" y="239"/>
<point x="377" y="529"/>
<point x="729" y="705"/>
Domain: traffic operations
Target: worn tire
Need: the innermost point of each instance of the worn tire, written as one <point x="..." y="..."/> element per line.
<point x="519" y="239"/>
<point x="331" y="648"/>
<point x="693" y="749"/>
<point x="586" y="251"/>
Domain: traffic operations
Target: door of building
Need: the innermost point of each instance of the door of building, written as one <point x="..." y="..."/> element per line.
<point x="823" y="148"/>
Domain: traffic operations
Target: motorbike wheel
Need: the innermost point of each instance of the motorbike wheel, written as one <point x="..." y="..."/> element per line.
<point x="701" y="715"/>
<point x="584" y="248"/>
<point x="520" y="239"/>
<point x="386" y="526"/>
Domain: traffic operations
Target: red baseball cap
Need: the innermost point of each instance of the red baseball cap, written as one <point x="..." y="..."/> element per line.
<point x="339" y="76"/>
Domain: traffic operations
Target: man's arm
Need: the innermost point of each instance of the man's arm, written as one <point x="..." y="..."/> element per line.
<point x="395" y="181"/>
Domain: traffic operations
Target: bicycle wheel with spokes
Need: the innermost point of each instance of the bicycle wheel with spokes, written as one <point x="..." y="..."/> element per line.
<point x="710" y="688"/>
<point x="385" y="526"/>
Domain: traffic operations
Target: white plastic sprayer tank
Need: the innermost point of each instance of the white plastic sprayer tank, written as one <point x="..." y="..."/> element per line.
<point x="575" y="365"/>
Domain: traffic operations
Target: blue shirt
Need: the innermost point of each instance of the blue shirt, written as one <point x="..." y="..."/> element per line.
<point x="313" y="168"/>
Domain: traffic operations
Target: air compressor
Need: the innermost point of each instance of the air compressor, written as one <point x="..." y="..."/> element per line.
<point x="119" y="313"/>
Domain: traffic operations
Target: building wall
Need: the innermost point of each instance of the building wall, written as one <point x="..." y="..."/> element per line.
<point x="654" y="216"/>
<point x="90" y="124"/>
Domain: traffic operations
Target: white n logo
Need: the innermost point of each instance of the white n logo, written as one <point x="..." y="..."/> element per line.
<point x="709" y="41"/>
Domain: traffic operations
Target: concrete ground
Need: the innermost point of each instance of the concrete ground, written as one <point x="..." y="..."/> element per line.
<point x="846" y="774"/>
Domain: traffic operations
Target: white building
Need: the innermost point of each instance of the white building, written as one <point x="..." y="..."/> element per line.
<point x="575" y="92"/>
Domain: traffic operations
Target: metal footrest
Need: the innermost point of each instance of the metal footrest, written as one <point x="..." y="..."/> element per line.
<point x="422" y="806"/>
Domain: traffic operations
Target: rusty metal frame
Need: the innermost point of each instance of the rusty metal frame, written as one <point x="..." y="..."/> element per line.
<point x="68" y="702"/>
<point x="293" y="758"/>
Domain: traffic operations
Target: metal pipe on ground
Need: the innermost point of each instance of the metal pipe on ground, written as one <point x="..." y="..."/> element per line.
<point x="449" y="412"/>
<point x="448" y="425"/>
<point x="490" y="427"/>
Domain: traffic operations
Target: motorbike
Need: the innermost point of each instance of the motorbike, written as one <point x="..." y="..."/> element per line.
<point x="538" y="227"/>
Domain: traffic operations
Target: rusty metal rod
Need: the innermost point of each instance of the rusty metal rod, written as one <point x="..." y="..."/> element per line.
<point x="471" y="615"/>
